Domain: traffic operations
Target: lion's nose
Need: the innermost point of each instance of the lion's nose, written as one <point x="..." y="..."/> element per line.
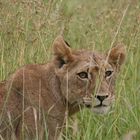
<point x="101" y="97"/>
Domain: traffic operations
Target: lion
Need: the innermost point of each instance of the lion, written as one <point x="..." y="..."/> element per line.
<point x="40" y="96"/>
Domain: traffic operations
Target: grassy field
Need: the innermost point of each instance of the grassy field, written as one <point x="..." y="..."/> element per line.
<point x="28" y="27"/>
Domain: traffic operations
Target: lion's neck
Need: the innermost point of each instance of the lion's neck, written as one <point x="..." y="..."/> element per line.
<point x="58" y="101"/>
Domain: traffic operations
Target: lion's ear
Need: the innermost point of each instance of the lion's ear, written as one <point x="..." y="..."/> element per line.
<point x="116" y="55"/>
<point x="62" y="51"/>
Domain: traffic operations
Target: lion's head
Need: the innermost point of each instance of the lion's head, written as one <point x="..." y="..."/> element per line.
<point x="88" y="78"/>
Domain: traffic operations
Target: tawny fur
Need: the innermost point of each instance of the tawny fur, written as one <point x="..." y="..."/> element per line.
<point x="39" y="96"/>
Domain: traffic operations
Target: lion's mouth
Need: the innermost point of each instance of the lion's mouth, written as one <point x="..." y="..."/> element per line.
<point x="101" y="108"/>
<point x="100" y="105"/>
<point x="90" y="104"/>
<point x="96" y="106"/>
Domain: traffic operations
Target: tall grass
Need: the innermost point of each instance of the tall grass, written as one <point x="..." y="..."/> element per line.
<point x="27" y="29"/>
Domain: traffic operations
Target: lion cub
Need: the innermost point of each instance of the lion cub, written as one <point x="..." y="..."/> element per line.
<point x="38" y="96"/>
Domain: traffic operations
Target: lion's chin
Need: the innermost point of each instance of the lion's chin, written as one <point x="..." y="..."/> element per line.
<point x="101" y="109"/>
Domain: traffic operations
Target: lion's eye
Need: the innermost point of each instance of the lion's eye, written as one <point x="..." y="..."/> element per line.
<point x="83" y="75"/>
<point x="108" y="73"/>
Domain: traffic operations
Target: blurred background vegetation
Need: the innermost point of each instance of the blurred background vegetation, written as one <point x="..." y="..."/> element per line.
<point x="28" y="28"/>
